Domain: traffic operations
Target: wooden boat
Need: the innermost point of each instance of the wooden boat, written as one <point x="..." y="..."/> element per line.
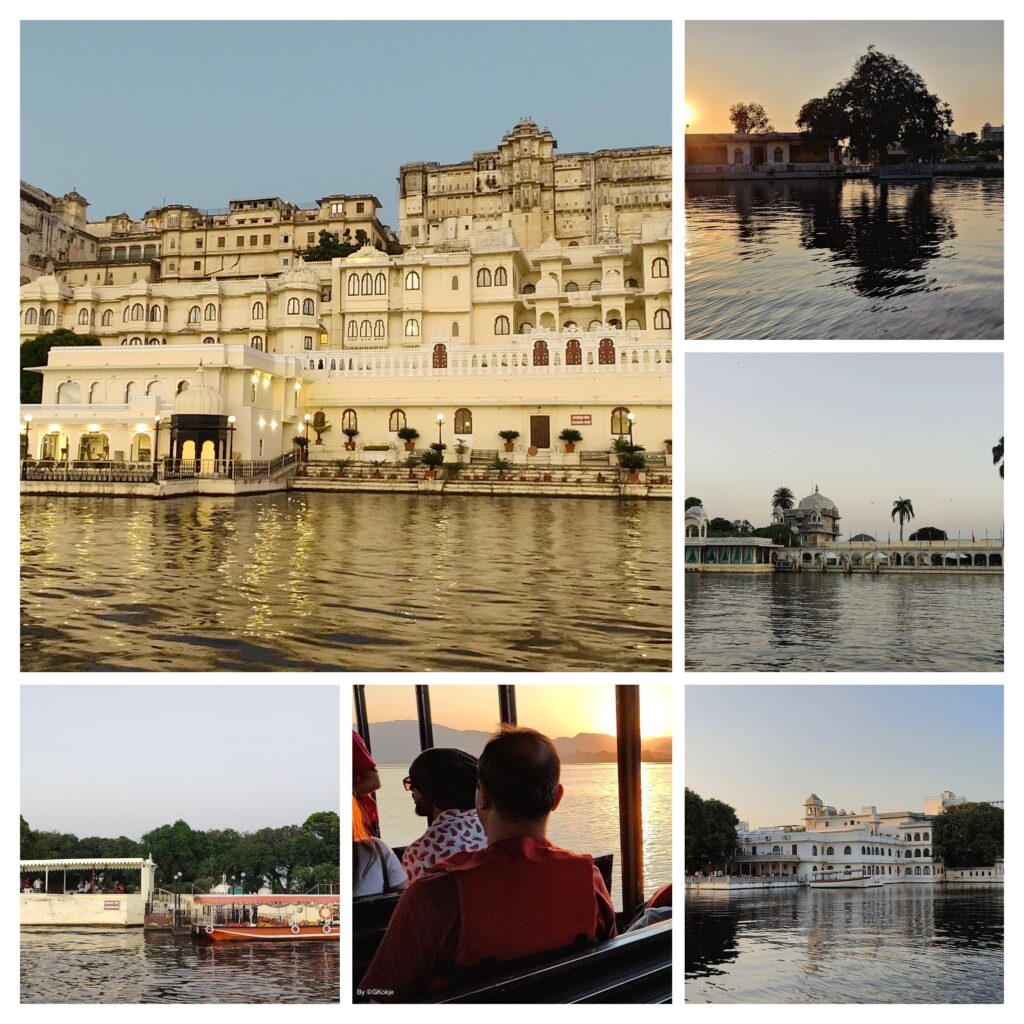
<point x="246" y="919"/>
<point x="846" y="880"/>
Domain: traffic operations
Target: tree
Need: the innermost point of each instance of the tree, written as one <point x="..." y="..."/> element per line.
<point x="690" y="502"/>
<point x="929" y="533"/>
<point x="903" y="509"/>
<point x="320" y="425"/>
<point x="882" y="105"/>
<point x="710" y="831"/>
<point x="176" y="848"/>
<point x="968" y="835"/>
<point x="328" y="247"/>
<point x="997" y="456"/>
<point x="782" y="498"/>
<point x="722" y="525"/>
<point x="36" y="353"/>
<point x="749" y="119"/>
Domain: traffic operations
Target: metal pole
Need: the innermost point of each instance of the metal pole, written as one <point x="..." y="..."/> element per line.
<point x="423" y="715"/>
<point x="362" y="721"/>
<point x="507" y="704"/>
<point x="627" y="727"/>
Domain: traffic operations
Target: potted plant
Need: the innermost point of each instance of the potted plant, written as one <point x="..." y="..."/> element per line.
<point x="668" y="445"/>
<point x="508" y="436"/>
<point x="302" y="443"/>
<point x="409" y="436"/>
<point x="461" y="447"/>
<point x="432" y="460"/>
<point x="501" y="465"/>
<point x="320" y="425"/>
<point x="452" y="469"/>
<point x="633" y="462"/>
<point x="571" y="437"/>
<point x="342" y="465"/>
<point x="412" y="462"/>
<point x="350" y="433"/>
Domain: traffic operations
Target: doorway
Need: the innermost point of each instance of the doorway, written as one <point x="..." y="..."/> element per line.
<point x="540" y="431"/>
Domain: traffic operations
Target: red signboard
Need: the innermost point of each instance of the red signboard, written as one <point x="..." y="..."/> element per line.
<point x="580" y="419"/>
<point x="111" y="904"/>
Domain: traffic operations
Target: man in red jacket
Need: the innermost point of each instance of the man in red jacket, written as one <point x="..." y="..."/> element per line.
<point x="520" y="896"/>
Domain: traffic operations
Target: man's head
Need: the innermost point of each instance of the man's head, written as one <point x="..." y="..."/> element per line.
<point x="442" y="779"/>
<point x="518" y="783"/>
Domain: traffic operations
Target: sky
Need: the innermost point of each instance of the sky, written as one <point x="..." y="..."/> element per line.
<point x="782" y="64"/>
<point x="205" y="112"/>
<point x="122" y="760"/>
<point x="763" y="749"/>
<point x="866" y="428"/>
<point x="555" y="710"/>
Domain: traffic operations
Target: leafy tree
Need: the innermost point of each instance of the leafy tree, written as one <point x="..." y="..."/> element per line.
<point x="320" y="425"/>
<point x="997" y="456"/>
<point x="883" y="104"/>
<point x="749" y="119"/>
<point x="328" y="247"/>
<point x="723" y="525"/>
<point x="710" y="833"/>
<point x="929" y="533"/>
<point x="176" y="848"/>
<point x="783" y="498"/>
<point x="903" y="509"/>
<point x="690" y="502"/>
<point x="36" y="353"/>
<point x="968" y="835"/>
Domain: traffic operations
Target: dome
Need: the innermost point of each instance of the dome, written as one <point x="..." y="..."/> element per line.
<point x="813" y="799"/>
<point x="696" y="512"/>
<point x="199" y="401"/>
<point x="818" y="501"/>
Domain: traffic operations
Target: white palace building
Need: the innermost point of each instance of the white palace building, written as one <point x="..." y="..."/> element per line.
<point x="525" y="291"/>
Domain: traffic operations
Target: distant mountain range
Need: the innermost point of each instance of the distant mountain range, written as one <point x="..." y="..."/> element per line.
<point x="399" y="742"/>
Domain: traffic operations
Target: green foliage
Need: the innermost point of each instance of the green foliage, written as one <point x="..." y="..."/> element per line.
<point x="36" y="353"/>
<point x="349" y="432"/>
<point x="710" y="833"/>
<point x="968" y="835"/>
<point x="453" y="469"/>
<point x="722" y="526"/>
<point x="883" y="104"/>
<point x="783" y="498"/>
<point x="508" y="435"/>
<point x="433" y="458"/>
<point x="320" y="425"/>
<point x="997" y="456"/>
<point x="903" y="509"/>
<point x="690" y="502"/>
<point x="329" y="247"/>
<point x="749" y="119"/>
<point x="634" y="461"/>
<point x="929" y="533"/>
<point x="570" y="435"/>
<point x="502" y="465"/>
<point x="301" y="440"/>
<point x="408" y="433"/>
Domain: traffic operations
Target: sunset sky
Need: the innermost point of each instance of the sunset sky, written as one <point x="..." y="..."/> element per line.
<point x="782" y="64"/>
<point x="559" y="710"/>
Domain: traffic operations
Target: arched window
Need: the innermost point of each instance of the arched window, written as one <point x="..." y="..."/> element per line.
<point x="925" y="853"/>
<point x="83" y="316"/>
<point x="501" y="325"/>
<point x="138" y="311"/>
<point x="814" y="852"/>
<point x="366" y="284"/>
<point x="256" y="343"/>
<point x="439" y="360"/>
<point x="573" y="353"/>
<point x="378" y="329"/>
<point x="154" y="314"/>
<point x="917" y="837"/>
<point x="917" y="853"/>
<point x="830" y="852"/>
<point x="353" y="329"/>
<point x="396" y="421"/>
<point x="353" y="284"/>
<point x="412" y="328"/>
<point x="606" y="352"/>
<point x="620" y="422"/>
<point x="778" y="154"/>
<point x="540" y="352"/>
<point x="193" y="315"/>
<point x="349" y="420"/>
<point x="209" y="341"/>
<point x="662" y="320"/>
<point x="107" y="318"/>
<point x="917" y="870"/>
<point x="210" y="313"/>
<point x="847" y="850"/>
<point x="924" y="836"/>
<point x="95" y="392"/>
<point x="31" y="316"/>
<point x="455" y="328"/>
<point x="483" y="278"/>
<point x="595" y="286"/>
<point x="293" y="305"/>
<point x="380" y="285"/>
<point x="455" y="282"/>
<point x="134" y="341"/>
<point x="500" y="277"/>
<point x="571" y="286"/>
<point x="463" y="421"/>
<point x="659" y="268"/>
<point x="412" y="281"/>
<point x="49" y="317"/>
<point x="529" y="289"/>
<point x="307" y="307"/>
<point x="258" y="311"/>
<point x="365" y="329"/>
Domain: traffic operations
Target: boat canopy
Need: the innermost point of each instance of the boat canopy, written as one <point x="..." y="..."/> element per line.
<point x="87" y="863"/>
<point x="279" y="898"/>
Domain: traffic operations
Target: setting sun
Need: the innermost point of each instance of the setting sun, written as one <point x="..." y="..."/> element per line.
<point x="689" y="114"/>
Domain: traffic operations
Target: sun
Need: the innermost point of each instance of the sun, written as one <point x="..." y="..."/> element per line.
<point x="689" y="114"/>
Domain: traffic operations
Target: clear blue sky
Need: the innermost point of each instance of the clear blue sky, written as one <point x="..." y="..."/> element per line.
<point x="762" y="749"/>
<point x="121" y="760"/>
<point x="136" y="113"/>
<point x="867" y="428"/>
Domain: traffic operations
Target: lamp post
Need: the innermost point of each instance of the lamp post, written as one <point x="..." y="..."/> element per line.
<point x="156" y="446"/>
<point x="307" y="418"/>
<point x="440" y="421"/>
<point x="28" y="427"/>
<point x="630" y="417"/>
<point x="231" y="445"/>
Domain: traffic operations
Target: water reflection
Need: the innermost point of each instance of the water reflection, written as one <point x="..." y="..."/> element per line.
<point x="901" y="943"/>
<point x="127" y="965"/>
<point x="852" y="258"/>
<point x="346" y="581"/>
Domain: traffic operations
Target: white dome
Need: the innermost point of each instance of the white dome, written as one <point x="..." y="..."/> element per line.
<point x="818" y="501"/>
<point x="696" y="512"/>
<point x="198" y="401"/>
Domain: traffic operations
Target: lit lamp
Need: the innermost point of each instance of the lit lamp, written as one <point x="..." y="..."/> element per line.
<point x="440" y="420"/>
<point x="631" y="417"/>
<point x="307" y="418"/>
<point x="156" y="441"/>
<point x="231" y="441"/>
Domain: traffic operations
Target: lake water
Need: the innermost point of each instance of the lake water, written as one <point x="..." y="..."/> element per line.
<point x="897" y="944"/>
<point x="844" y="259"/>
<point x="369" y="582"/>
<point x="586" y="821"/>
<point x="89" y="965"/>
<point x="827" y="622"/>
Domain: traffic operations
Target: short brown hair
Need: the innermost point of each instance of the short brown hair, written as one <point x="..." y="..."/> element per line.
<point x="520" y="769"/>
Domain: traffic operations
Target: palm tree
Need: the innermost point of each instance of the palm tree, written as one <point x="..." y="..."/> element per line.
<point x="997" y="456"/>
<point x="782" y="498"/>
<point x="904" y="509"/>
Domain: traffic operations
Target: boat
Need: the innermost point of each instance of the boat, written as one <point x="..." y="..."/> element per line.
<point x="266" y="918"/>
<point x="845" y="880"/>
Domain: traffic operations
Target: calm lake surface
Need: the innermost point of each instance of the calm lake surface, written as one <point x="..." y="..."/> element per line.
<point x="370" y="582"/>
<point x="827" y="622"/>
<point x="897" y="944"/>
<point x="586" y="821"/>
<point x="89" y="965"/>
<point x="844" y="259"/>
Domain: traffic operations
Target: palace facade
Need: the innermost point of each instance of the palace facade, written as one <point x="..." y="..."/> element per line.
<point x="531" y="293"/>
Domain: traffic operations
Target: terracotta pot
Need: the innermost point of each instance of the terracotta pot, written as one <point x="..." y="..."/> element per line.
<point x="633" y="478"/>
<point x="430" y="474"/>
<point x="547" y="478"/>
<point x="510" y="446"/>
<point x="410" y="446"/>
<point x="570" y="447"/>
<point x="350" y="446"/>
<point x="319" y="441"/>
